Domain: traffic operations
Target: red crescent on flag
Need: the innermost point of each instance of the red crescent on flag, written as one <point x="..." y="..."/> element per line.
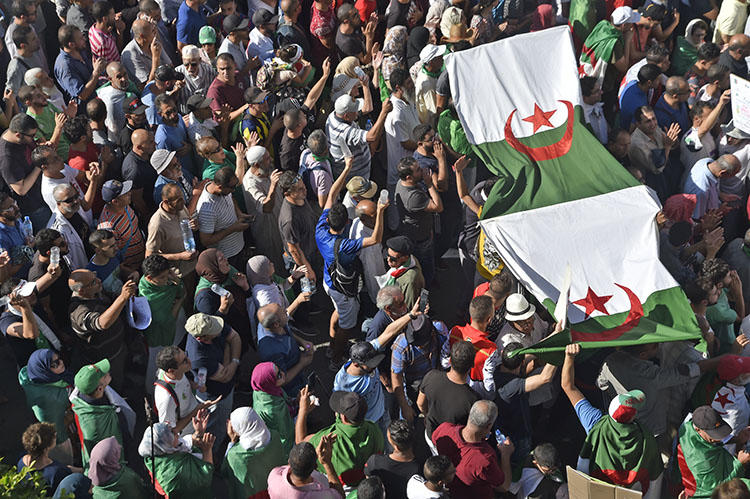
<point x="632" y="319"/>
<point x="550" y="151"/>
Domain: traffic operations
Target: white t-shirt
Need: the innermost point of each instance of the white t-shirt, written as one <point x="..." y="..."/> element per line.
<point x="69" y="177"/>
<point x="166" y="406"/>
<point x="416" y="489"/>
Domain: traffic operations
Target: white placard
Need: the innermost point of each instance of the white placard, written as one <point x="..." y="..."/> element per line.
<point x="740" y="102"/>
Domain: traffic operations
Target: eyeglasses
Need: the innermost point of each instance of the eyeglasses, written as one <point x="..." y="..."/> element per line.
<point x="191" y="64"/>
<point x="216" y="151"/>
<point x="74" y="197"/>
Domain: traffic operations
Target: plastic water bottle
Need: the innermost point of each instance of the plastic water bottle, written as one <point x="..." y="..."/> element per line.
<point x="201" y="378"/>
<point x="383" y="196"/>
<point x="188" y="241"/>
<point x="307" y="285"/>
<point x="219" y="290"/>
<point x="26" y="228"/>
<point x="500" y="437"/>
<point x="54" y="256"/>
<point x="368" y="124"/>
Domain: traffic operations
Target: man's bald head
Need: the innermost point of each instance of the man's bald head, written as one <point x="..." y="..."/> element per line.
<point x="142" y="27"/>
<point x="80" y="280"/>
<point x="113" y="68"/>
<point x="170" y="190"/>
<point x="675" y="84"/>
<point x="139" y="136"/>
<point x="271" y="316"/>
<point x="143" y="142"/>
<point x="366" y="211"/>
<point x="726" y="166"/>
<point x="739" y="41"/>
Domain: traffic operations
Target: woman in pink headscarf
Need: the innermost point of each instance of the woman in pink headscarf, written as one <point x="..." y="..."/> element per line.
<point x="680" y="207"/>
<point x="271" y="403"/>
<point x="544" y="17"/>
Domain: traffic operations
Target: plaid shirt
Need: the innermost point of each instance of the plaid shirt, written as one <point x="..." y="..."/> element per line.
<point x="414" y="361"/>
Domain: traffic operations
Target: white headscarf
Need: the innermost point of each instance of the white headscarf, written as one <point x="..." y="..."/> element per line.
<point x="252" y="430"/>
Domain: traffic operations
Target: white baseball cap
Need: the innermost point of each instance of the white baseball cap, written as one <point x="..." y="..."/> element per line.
<point x="622" y="15"/>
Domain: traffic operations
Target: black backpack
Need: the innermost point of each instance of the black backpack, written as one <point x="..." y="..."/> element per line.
<point x="345" y="281"/>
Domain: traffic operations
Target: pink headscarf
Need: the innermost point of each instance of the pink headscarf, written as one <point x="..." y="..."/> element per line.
<point x="679" y="208"/>
<point x="263" y="379"/>
<point x="544" y="17"/>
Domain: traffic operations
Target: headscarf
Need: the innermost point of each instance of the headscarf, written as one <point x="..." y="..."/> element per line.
<point x="543" y="18"/>
<point x="163" y="441"/>
<point x="434" y="13"/>
<point x="208" y="267"/>
<point x="39" y="370"/>
<point x="689" y="30"/>
<point x="418" y="38"/>
<point x="347" y="65"/>
<point x="679" y="208"/>
<point x="452" y="15"/>
<point x="104" y="461"/>
<point x="258" y="270"/>
<point x="263" y="379"/>
<point x="252" y="430"/>
<point x="394" y="51"/>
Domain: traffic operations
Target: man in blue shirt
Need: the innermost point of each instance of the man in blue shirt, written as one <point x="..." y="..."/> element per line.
<point x="278" y="344"/>
<point x="330" y="232"/>
<point x="190" y="20"/>
<point x="672" y="105"/>
<point x="635" y="94"/>
<point x="171" y="134"/>
<point x="703" y="181"/>
<point x="74" y="72"/>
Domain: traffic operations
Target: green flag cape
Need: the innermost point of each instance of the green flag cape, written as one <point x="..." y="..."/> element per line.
<point x="702" y="465"/>
<point x="246" y="471"/>
<point x="352" y="448"/>
<point x="274" y="411"/>
<point x="622" y="453"/>
<point x="126" y="483"/>
<point x="562" y="201"/>
<point x="161" y="331"/>
<point x="48" y="401"/>
<point x="181" y="475"/>
<point x="95" y="423"/>
<point x="582" y="19"/>
<point x="600" y="44"/>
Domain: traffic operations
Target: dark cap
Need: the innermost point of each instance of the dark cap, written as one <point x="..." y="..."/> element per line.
<point x="707" y="419"/>
<point x="418" y="330"/>
<point x="234" y="23"/>
<point x="114" y="189"/>
<point x="400" y="244"/>
<point x="362" y="352"/>
<point x="350" y="404"/>
<point x="133" y="105"/>
<point x="254" y="95"/>
<point x="167" y="73"/>
<point x="197" y="101"/>
<point x="264" y="16"/>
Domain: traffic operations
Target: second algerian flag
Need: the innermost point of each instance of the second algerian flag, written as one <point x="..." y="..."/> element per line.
<point x="562" y="199"/>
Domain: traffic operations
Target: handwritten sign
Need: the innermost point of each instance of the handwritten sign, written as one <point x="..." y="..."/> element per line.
<point x="740" y="102"/>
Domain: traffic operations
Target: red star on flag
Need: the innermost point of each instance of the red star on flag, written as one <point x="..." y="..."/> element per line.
<point x="722" y="398"/>
<point x="539" y="118"/>
<point x="593" y="302"/>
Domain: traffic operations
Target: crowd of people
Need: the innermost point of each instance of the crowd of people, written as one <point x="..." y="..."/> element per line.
<point x="189" y="189"/>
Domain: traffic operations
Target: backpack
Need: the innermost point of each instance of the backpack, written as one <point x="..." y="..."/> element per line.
<point x="305" y="172"/>
<point x="172" y="393"/>
<point x="345" y="281"/>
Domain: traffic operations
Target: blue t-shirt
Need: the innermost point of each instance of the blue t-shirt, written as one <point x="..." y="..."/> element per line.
<point x="587" y="414"/>
<point x="148" y="98"/>
<point x="666" y="115"/>
<point x="110" y="282"/>
<point x="171" y="138"/>
<point x="189" y="24"/>
<point x="12" y="240"/>
<point x="348" y="250"/>
<point x="52" y="473"/>
<point x="283" y="351"/>
<point x="368" y="386"/>
<point x="209" y="355"/>
<point x="631" y="99"/>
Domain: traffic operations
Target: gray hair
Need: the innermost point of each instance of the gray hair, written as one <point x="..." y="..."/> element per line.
<point x="726" y="164"/>
<point x="483" y="413"/>
<point x="387" y="295"/>
<point x="32" y="77"/>
<point x="318" y="142"/>
<point x="270" y="316"/>
<point x="190" y="52"/>
<point x="59" y="191"/>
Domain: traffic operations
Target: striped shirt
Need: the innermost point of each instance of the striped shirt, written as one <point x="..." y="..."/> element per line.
<point x="127" y="234"/>
<point x="217" y="213"/>
<point x="347" y="139"/>
<point x="103" y="45"/>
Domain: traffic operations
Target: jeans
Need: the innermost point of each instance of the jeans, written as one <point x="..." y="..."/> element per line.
<point x="425" y="253"/>
<point x="217" y="418"/>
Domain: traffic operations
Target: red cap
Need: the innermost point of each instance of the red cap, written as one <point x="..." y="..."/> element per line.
<point x="732" y="366"/>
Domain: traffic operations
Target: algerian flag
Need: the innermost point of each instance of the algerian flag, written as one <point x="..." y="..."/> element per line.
<point x="562" y="199"/>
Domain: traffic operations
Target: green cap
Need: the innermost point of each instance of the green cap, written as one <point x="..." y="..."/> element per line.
<point x="87" y="379"/>
<point x="207" y="35"/>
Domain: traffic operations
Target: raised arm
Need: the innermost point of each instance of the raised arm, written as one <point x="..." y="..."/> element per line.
<point x="568" y="374"/>
<point x="333" y="194"/>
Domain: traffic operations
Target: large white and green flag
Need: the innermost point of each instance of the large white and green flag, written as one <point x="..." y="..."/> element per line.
<point x="562" y="200"/>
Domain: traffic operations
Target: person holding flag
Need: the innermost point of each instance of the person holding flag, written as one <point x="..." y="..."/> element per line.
<point x="618" y="449"/>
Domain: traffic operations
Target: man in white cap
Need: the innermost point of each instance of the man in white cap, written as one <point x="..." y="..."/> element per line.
<point x="431" y="59"/>
<point x="264" y="199"/>
<point x="169" y="171"/>
<point x="348" y="140"/>
<point x="609" y="43"/>
<point x="524" y="325"/>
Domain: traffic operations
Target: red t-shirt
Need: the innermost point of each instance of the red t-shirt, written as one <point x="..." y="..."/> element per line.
<point x="483" y="346"/>
<point x="477" y="471"/>
<point x="481" y="289"/>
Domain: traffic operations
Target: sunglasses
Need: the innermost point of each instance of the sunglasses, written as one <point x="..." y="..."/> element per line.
<point x="191" y="64"/>
<point x="74" y="197"/>
<point x="391" y="258"/>
<point x="216" y="151"/>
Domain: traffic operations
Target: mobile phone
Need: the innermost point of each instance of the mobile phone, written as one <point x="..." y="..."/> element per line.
<point x="424" y="298"/>
<point x="312" y="378"/>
